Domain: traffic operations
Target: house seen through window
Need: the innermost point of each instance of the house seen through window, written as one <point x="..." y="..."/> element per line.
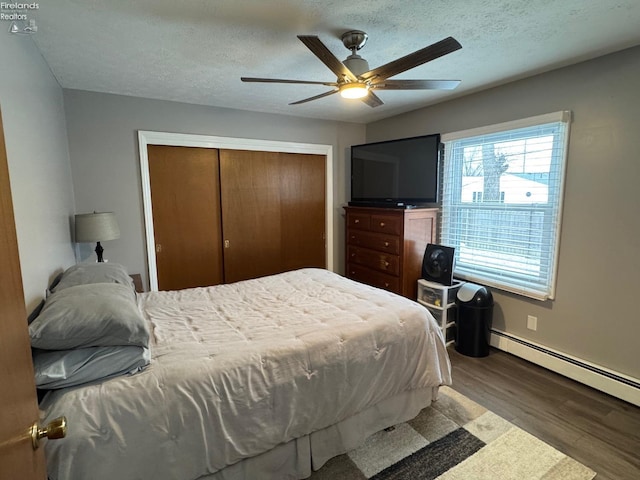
<point x="502" y="202"/>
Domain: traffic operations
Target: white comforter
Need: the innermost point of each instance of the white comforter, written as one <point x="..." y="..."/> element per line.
<point x="238" y="369"/>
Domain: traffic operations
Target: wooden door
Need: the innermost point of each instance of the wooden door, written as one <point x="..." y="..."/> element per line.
<point x="273" y="212"/>
<point x="185" y="200"/>
<point x="18" y="403"/>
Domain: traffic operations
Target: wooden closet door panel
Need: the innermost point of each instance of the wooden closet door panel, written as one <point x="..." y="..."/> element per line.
<point x="250" y="197"/>
<point x="273" y="212"/>
<point x="303" y="187"/>
<point x="185" y="198"/>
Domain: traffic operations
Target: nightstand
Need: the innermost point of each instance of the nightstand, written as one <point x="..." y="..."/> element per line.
<point x="137" y="282"/>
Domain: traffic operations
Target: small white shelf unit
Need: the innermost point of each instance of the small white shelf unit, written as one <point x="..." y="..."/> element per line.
<point x="440" y="300"/>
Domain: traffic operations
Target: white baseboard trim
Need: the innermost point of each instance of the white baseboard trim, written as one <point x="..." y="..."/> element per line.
<point x="614" y="383"/>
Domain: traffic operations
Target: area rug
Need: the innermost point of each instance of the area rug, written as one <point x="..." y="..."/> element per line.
<point x="454" y="439"/>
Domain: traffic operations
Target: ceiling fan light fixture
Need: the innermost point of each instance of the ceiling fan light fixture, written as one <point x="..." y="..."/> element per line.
<point x="354" y="90"/>
<point x="354" y="78"/>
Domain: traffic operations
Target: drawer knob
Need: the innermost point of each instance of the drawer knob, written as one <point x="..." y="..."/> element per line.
<point x="386" y="244"/>
<point x="356" y="221"/>
<point x="386" y="264"/>
<point x="353" y="255"/>
<point x="382" y="224"/>
<point x="386" y="284"/>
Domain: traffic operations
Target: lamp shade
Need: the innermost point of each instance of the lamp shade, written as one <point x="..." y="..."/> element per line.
<point x="96" y="227"/>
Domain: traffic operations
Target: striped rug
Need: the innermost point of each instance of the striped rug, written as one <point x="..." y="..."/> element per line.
<point x="454" y="439"/>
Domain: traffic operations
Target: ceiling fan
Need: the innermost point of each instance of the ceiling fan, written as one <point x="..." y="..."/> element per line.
<point x="356" y="80"/>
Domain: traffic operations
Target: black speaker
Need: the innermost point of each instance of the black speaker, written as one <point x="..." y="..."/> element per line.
<point x="437" y="264"/>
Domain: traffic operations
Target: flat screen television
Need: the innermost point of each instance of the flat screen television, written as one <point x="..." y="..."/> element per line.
<point x="399" y="173"/>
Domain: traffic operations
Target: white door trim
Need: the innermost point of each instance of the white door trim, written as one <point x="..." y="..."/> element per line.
<point x="146" y="138"/>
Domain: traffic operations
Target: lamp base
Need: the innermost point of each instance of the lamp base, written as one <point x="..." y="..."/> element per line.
<point x="99" y="251"/>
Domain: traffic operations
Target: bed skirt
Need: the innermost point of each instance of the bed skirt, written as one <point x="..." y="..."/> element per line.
<point x="297" y="458"/>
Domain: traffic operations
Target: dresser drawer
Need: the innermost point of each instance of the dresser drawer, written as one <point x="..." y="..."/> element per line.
<point x="373" y="278"/>
<point x="375" y="241"/>
<point x="360" y="221"/>
<point x="386" y="224"/>
<point x="382" y="262"/>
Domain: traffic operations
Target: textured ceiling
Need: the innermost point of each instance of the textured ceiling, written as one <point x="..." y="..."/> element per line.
<point x="195" y="51"/>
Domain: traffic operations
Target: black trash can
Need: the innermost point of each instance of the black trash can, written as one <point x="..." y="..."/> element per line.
<point x="475" y="314"/>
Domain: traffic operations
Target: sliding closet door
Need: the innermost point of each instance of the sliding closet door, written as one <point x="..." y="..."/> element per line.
<point x="185" y="199"/>
<point x="273" y="212"/>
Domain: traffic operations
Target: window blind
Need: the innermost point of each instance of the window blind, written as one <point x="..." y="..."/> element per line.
<point x="502" y="202"/>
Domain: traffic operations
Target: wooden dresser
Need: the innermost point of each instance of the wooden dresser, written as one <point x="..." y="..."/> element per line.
<point x="385" y="246"/>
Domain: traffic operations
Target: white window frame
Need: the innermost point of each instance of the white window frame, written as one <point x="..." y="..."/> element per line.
<point x="540" y="287"/>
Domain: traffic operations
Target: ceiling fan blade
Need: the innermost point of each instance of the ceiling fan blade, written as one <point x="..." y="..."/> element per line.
<point x="325" y="94"/>
<point x="416" y="85"/>
<point x="282" y="80"/>
<point x="319" y="49"/>
<point x="372" y="100"/>
<point x="414" y="59"/>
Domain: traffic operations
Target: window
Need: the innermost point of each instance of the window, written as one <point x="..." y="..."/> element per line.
<point x="502" y="202"/>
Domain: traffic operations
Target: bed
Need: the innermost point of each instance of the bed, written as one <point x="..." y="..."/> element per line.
<point x="265" y="378"/>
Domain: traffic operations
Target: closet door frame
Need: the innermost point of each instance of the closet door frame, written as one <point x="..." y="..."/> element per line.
<point x="146" y="138"/>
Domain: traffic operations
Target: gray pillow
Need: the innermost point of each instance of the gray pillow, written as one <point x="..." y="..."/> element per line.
<point x="94" y="315"/>
<point x="86" y="273"/>
<point x="67" y="368"/>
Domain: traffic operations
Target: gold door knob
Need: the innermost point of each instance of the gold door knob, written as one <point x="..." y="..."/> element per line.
<point x="158" y="248"/>
<point x="57" y="428"/>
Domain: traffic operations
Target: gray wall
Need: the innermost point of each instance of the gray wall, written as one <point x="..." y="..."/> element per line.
<point x="103" y="144"/>
<point x="595" y="315"/>
<point x="38" y="157"/>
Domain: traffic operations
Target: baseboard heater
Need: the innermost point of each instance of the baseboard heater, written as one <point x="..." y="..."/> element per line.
<point x="600" y="378"/>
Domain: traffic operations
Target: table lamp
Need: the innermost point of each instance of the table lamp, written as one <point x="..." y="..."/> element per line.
<point x="96" y="227"/>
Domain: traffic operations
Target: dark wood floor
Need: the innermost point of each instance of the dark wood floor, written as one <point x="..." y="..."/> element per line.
<point x="592" y="427"/>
